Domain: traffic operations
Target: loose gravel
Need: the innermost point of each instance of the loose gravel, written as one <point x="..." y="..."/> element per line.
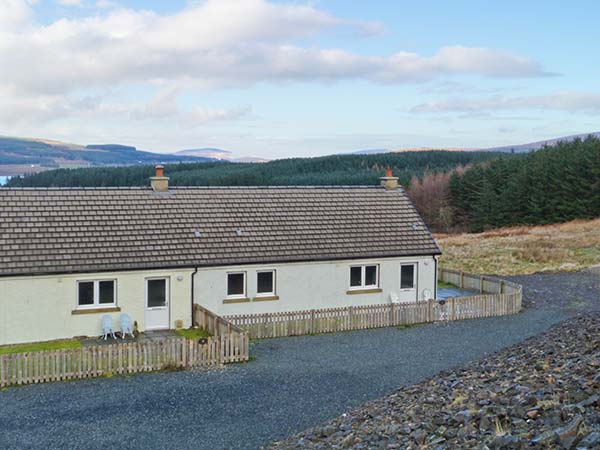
<point x="294" y="383"/>
<point x="541" y="394"/>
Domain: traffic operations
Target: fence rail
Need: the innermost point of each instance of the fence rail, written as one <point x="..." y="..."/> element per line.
<point x="215" y="325"/>
<point x="121" y="358"/>
<point x="479" y="283"/>
<point x="496" y="297"/>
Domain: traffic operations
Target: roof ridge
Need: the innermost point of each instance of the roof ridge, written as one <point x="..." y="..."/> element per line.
<point x="108" y="188"/>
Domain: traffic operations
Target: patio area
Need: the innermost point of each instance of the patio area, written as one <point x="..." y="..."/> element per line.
<point x="147" y="336"/>
<point x="444" y="293"/>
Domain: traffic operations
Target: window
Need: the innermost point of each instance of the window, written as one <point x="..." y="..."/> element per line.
<point x="407" y="276"/>
<point x="265" y="283"/>
<point x="93" y="294"/>
<point x="157" y="292"/>
<point x="364" y="276"/>
<point x="236" y="284"/>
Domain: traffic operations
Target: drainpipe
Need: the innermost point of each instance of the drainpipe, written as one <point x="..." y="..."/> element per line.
<point x="192" y="299"/>
<point x="435" y="258"/>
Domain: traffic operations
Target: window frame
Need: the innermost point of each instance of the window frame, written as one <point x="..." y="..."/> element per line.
<point x="273" y="291"/>
<point x="415" y="276"/>
<point x="363" y="277"/>
<point x="244" y="294"/>
<point x="96" y="297"/>
<point x="167" y="281"/>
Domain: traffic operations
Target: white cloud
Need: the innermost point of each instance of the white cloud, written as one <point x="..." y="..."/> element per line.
<point x="14" y="13"/>
<point x="70" y="2"/>
<point x="586" y="102"/>
<point x="216" y="43"/>
<point x="164" y="106"/>
<point x="75" y="68"/>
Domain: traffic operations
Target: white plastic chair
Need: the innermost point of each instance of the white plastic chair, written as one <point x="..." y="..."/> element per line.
<point x="107" y="326"/>
<point x="126" y="325"/>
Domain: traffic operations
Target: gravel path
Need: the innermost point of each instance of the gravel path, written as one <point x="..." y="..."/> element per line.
<point x="295" y="383"/>
<point x="540" y="394"/>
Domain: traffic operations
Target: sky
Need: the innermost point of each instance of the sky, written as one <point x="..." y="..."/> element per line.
<point x="295" y="78"/>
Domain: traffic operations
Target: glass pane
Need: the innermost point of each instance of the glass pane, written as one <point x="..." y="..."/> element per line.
<point x="371" y="276"/>
<point x="157" y="293"/>
<point x="355" y="276"/>
<point x="86" y="293"/>
<point x="235" y="284"/>
<point x="407" y="277"/>
<point x="107" y="291"/>
<point x="264" y="283"/>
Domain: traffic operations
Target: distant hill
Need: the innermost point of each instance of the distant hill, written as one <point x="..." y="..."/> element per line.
<point x="23" y="155"/>
<point x="517" y="148"/>
<point x="371" y="151"/>
<point x="324" y="170"/>
<point x="215" y="153"/>
<point x="222" y="155"/>
<point x="524" y="148"/>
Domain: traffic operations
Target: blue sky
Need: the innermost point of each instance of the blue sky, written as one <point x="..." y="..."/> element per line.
<point x="278" y="79"/>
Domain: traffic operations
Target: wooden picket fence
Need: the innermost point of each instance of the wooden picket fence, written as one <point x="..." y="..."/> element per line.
<point x="215" y="325"/>
<point x="497" y="297"/>
<point x="478" y="283"/>
<point x="121" y="358"/>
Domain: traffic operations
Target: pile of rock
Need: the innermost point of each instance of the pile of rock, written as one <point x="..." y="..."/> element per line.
<point x="542" y="393"/>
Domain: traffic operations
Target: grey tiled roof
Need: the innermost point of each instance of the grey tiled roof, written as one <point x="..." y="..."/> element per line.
<point x="61" y="230"/>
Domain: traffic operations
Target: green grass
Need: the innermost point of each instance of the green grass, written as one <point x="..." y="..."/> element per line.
<point x="193" y="333"/>
<point x="444" y="285"/>
<point x="40" y="346"/>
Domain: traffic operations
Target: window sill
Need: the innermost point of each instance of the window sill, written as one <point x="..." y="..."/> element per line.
<point x="236" y="300"/>
<point x="364" y="291"/>
<point x="96" y="310"/>
<point x="266" y="298"/>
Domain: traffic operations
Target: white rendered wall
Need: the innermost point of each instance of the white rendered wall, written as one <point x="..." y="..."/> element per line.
<point x="40" y="308"/>
<point x="311" y="285"/>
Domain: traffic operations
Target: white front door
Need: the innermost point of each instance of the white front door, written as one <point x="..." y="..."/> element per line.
<point x="408" y="282"/>
<point x="157" y="303"/>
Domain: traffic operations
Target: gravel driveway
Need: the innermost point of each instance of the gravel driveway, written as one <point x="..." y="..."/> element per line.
<point x="293" y="384"/>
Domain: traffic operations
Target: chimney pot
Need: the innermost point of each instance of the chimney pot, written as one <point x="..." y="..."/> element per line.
<point x="159" y="183"/>
<point x="389" y="182"/>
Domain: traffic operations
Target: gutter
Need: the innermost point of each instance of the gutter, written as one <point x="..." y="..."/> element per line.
<point x="192" y="295"/>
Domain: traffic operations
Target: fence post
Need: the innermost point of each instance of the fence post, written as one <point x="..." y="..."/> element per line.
<point x="430" y="305"/>
<point x="481" y="277"/>
<point x="501" y="286"/>
<point x="312" y="321"/>
<point x="462" y="279"/>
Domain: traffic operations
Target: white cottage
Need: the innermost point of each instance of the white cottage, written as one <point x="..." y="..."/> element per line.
<point x="70" y="255"/>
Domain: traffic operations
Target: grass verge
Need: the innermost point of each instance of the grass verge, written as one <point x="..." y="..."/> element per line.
<point x="523" y="250"/>
<point x="40" y="346"/>
<point x="193" y="333"/>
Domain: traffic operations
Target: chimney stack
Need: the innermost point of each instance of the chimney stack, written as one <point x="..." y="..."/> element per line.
<point x="389" y="182"/>
<point x="159" y="183"/>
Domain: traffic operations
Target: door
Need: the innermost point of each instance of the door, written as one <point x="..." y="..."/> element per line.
<point x="157" y="303"/>
<point x="408" y="282"/>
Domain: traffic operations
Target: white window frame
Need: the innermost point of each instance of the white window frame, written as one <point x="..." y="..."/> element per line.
<point x="415" y="275"/>
<point x="274" y="285"/>
<point x="363" y="275"/>
<point x="97" y="304"/>
<point x="243" y="294"/>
